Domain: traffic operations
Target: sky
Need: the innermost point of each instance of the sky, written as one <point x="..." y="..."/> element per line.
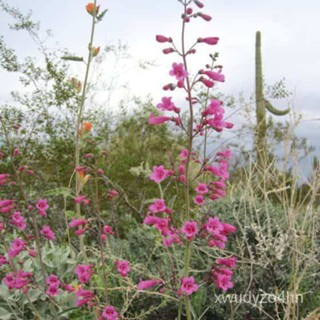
<point x="290" y="44"/>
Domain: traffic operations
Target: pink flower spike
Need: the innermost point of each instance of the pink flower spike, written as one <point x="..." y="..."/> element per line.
<point x="178" y="71"/>
<point x="190" y="229"/>
<point x="188" y="285"/>
<point x="146" y="284"/>
<point x="210" y="40"/>
<point x="153" y="120"/>
<point x="163" y="39"/>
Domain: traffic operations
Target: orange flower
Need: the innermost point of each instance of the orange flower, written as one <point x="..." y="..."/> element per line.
<point x="87" y="126"/>
<point x="91" y="10"/>
<point x="95" y="51"/>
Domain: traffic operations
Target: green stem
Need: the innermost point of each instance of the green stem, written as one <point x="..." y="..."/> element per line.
<point x="79" y="119"/>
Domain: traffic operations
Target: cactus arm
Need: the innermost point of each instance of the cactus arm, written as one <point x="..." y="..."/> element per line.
<point x="275" y="111"/>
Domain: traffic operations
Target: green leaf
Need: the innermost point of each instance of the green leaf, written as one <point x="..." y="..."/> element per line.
<point x="101" y="15"/>
<point x="5" y="314"/>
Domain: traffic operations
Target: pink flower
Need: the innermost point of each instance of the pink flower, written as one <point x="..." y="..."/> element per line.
<point x="162" y="225"/>
<point x="84" y="272"/>
<point x="47" y="233"/>
<point x="205" y="17"/>
<point x="83" y="297"/>
<point x="214" y="226"/>
<point x="153" y="120"/>
<point x="215" y="76"/>
<point x="123" y="267"/>
<point x="107" y="229"/>
<point x="110" y="313"/>
<point x="188" y="285"/>
<point x="210" y="40"/>
<point x="198" y="3"/>
<point x="42" y="207"/>
<point x="206" y="82"/>
<point x="223" y="281"/>
<point x="77" y="222"/>
<point x="202" y="188"/>
<point x="18" y="221"/>
<point x="53" y="280"/>
<point x="166" y="104"/>
<point x="3" y="261"/>
<point x="178" y="71"/>
<point x="163" y="39"/>
<point x="79" y="199"/>
<point x="228" y="228"/>
<point x="199" y="200"/>
<point x="168" y="50"/>
<point x="190" y="229"/>
<point x="158" y="206"/>
<point x="68" y="287"/>
<point x="100" y="171"/>
<point x="53" y="291"/>
<point x="17" y="280"/>
<point x="146" y="284"/>
<point x="111" y="194"/>
<point x="17" y="245"/>
<point x="159" y="174"/>
<point x="228" y="262"/>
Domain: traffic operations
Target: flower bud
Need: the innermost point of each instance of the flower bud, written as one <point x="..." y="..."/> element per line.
<point x="209" y="40"/>
<point x="168" y="50"/>
<point x="205" y="17"/>
<point x="198" y="3"/>
<point x="163" y="39"/>
<point x="91" y="9"/>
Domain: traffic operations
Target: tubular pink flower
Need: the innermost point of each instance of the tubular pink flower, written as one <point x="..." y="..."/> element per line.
<point x="47" y="233"/>
<point x="215" y="76"/>
<point x="188" y="285"/>
<point x="52" y="291"/>
<point x="206" y="82"/>
<point x="83" y="297"/>
<point x="159" y="174"/>
<point x="210" y="40"/>
<point x="202" y="188"/>
<point x="205" y="17"/>
<point x="166" y="104"/>
<point x="178" y="71"/>
<point x="153" y="120"/>
<point x="77" y="222"/>
<point x="147" y="284"/>
<point x="223" y="282"/>
<point x="163" y="39"/>
<point x="110" y="313"/>
<point x="190" y="229"/>
<point x="168" y="50"/>
<point x="228" y="262"/>
<point x="199" y="200"/>
<point x="198" y="3"/>
<point x="123" y="267"/>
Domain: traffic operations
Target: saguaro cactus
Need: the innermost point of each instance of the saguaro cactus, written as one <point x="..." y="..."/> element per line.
<point x="261" y="106"/>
